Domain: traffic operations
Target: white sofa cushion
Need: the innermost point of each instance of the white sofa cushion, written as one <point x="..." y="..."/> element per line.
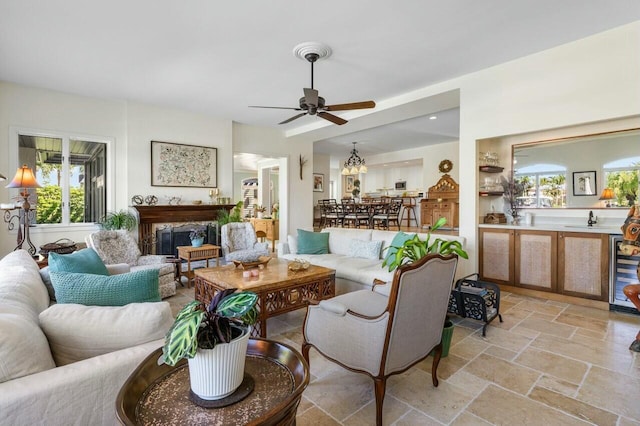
<point x="24" y="349"/>
<point x="77" y="332"/>
<point x="21" y="286"/>
<point x="340" y="239"/>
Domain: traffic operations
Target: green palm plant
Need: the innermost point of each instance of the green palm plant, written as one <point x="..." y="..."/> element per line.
<point x="415" y="248"/>
<point x="119" y="220"/>
<point x="199" y="327"/>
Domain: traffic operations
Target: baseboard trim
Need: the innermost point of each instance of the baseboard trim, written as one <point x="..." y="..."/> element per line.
<point x="597" y="304"/>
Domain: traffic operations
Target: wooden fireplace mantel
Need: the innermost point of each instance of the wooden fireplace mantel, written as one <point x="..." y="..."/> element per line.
<point x="148" y="215"/>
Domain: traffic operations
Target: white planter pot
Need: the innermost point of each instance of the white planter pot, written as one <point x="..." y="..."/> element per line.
<point x="216" y="373"/>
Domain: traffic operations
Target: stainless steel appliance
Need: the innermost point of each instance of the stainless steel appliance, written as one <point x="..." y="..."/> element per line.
<point x="622" y="271"/>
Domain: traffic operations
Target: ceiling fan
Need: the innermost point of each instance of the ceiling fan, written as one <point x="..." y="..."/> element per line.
<point x="311" y="103"/>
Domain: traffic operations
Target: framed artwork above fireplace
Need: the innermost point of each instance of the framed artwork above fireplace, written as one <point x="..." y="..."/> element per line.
<point x="181" y="165"/>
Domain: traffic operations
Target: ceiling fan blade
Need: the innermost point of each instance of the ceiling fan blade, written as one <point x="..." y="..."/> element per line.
<point x="293" y="118"/>
<point x="332" y="118"/>
<point x="353" y="105"/>
<point x="311" y="96"/>
<point x="272" y="107"/>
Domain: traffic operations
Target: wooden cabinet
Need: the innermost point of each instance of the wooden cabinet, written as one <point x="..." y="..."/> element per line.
<point x="441" y="201"/>
<point x="432" y="210"/>
<point x="571" y="263"/>
<point x="536" y="260"/>
<point x="496" y="255"/>
<point x="583" y="265"/>
<point x="271" y="228"/>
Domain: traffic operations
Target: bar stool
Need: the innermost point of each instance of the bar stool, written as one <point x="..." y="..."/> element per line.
<point x="409" y="211"/>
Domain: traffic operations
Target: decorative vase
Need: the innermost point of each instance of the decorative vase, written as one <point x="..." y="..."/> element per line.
<point x="260" y="215"/>
<point x="217" y="373"/>
<point x="197" y="242"/>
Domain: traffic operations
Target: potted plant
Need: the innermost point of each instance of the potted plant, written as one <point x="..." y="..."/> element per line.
<point x="121" y="219"/>
<point x="259" y="210"/>
<point x="197" y="236"/>
<point x="213" y="339"/>
<point x="235" y="215"/>
<point x="414" y="248"/>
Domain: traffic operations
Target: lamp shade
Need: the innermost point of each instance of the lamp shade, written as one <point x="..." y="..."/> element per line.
<point x="24" y="178"/>
<point x="607" y="194"/>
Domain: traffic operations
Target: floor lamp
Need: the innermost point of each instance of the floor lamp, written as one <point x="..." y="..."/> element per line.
<point x="24" y="179"/>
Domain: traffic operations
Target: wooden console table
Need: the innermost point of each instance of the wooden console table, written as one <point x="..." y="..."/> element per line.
<point x="148" y="215"/>
<point x="271" y="227"/>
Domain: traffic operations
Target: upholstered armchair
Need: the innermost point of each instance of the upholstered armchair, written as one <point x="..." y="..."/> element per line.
<point x="388" y="329"/>
<point x="239" y="242"/>
<point x="120" y="247"/>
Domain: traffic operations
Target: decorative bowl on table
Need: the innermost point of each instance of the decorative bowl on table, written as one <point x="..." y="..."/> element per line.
<point x="262" y="260"/>
<point x="298" y="265"/>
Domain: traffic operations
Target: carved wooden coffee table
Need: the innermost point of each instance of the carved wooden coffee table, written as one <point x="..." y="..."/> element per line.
<point x="279" y="290"/>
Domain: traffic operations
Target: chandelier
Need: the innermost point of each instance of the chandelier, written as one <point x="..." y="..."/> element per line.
<point x="354" y="163"/>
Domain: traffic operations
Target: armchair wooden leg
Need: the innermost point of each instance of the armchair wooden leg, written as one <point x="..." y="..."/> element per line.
<point x="434" y="367"/>
<point x="380" y="388"/>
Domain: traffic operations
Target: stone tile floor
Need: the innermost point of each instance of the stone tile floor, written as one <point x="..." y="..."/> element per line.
<point x="548" y="363"/>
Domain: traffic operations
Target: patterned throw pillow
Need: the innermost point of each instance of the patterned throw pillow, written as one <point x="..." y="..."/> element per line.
<point x="313" y="242"/>
<point x="85" y="261"/>
<point x="365" y="249"/>
<point x="106" y="290"/>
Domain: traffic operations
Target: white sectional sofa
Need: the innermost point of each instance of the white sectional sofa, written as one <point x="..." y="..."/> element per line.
<point x="352" y="271"/>
<point x="64" y="364"/>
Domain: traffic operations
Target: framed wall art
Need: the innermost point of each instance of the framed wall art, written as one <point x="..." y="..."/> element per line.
<point x="584" y="183"/>
<point x="318" y="182"/>
<point x="181" y="165"/>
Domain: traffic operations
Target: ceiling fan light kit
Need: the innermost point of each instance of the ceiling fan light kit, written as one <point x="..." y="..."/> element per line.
<point x="354" y="164"/>
<point x="311" y="103"/>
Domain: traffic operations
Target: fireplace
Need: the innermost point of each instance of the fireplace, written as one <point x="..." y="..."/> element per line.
<point x="151" y="218"/>
<point x="170" y="237"/>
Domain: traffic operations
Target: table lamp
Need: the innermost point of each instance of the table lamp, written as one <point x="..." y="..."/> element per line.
<point x="25" y="179"/>
<point x="607" y="194"/>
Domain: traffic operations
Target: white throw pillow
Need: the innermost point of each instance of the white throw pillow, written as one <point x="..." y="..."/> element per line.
<point x="24" y="349"/>
<point x="293" y="243"/>
<point x="365" y="249"/>
<point x="78" y="332"/>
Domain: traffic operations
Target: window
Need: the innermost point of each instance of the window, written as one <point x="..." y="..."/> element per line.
<point x="544" y="186"/>
<point x="623" y="176"/>
<point x="72" y="172"/>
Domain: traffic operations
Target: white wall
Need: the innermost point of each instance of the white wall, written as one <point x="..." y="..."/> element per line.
<point x="146" y="123"/>
<point x="33" y="108"/>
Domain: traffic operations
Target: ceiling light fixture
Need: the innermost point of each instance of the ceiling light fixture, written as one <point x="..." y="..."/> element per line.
<point x="354" y="163"/>
<point x="433" y="117"/>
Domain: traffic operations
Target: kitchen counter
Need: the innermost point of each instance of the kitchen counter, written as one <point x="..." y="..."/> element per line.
<point x="595" y="229"/>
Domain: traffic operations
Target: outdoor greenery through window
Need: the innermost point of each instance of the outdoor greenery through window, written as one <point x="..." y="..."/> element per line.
<point x="623" y="178"/>
<point x="544" y="185"/>
<point x="72" y="173"/>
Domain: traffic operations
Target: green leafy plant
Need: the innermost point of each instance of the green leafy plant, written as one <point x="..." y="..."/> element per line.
<point x="415" y="248"/>
<point x="118" y="220"/>
<point x="235" y="215"/>
<point x="199" y="327"/>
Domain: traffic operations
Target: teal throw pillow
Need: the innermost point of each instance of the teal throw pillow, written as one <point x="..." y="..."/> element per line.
<point x="106" y="290"/>
<point x="397" y="241"/>
<point x="85" y="261"/>
<point x="313" y="242"/>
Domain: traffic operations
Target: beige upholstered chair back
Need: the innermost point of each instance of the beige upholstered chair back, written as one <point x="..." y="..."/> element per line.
<point x="238" y="236"/>
<point x="114" y="247"/>
<point x="420" y="311"/>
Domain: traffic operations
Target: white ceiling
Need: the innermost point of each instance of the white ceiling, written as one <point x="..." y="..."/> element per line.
<point x="219" y="57"/>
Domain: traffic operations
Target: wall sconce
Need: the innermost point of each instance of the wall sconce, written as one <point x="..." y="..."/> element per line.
<point x="607" y="194"/>
<point x="24" y="179"/>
